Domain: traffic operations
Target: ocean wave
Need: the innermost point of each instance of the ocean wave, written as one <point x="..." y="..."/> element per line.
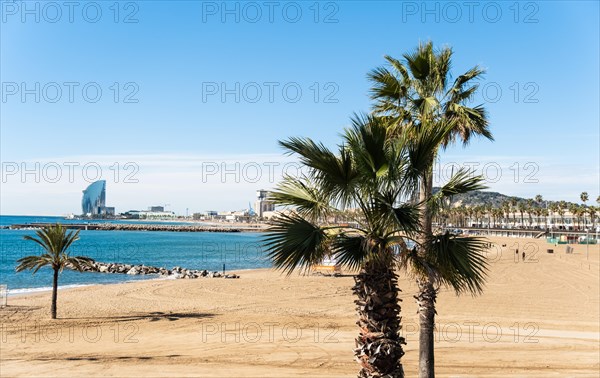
<point x="42" y="289"/>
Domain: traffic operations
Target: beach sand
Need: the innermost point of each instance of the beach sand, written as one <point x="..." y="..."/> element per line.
<point x="538" y="318"/>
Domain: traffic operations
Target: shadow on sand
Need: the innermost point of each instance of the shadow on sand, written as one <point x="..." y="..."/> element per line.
<point x="151" y="316"/>
<point x="109" y="358"/>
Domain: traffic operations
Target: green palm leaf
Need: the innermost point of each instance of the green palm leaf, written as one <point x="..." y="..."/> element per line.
<point x="293" y="242"/>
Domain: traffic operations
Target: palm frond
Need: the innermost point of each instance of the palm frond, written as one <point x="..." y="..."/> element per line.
<point x="33" y="262"/>
<point x="303" y="195"/>
<point x="350" y="250"/>
<point x="460" y="262"/>
<point x="335" y="174"/>
<point x="293" y="242"/>
<point x="407" y="218"/>
<point x="461" y="182"/>
<point x="55" y="241"/>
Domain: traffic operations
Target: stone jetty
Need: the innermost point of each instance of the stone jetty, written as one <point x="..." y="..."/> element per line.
<point x="139" y="227"/>
<point x="176" y="272"/>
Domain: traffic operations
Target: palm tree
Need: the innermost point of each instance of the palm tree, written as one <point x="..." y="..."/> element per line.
<point x="562" y="207"/>
<point x="584" y="198"/>
<point x="513" y="208"/>
<point x="539" y="211"/>
<point x="378" y="176"/>
<point x="416" y="94"/>
<point x="592" y="211"/>
<point x="498" y="213"/>
<point x="506" y="210"/>
<point x="530" y="208"/>
<point x="545" y="214"/>
<point x="55" y="240"/>
<point x="521" y="208"/>
<point x="575" y="214"/>
<point x="554" y="208"/>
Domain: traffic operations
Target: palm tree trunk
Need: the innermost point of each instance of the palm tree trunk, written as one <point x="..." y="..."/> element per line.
<point x="426" y="302"/>
<point x="426" y="296"/>
<point x="54" y="293"/>
<point x="379" y="344"/>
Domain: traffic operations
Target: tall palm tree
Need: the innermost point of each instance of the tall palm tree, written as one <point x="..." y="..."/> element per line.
<point x="575" y="214"/>
<point x="562" y="207"/>
<point x="554" y="208"/>
<point x="521" y="208"/>
<point x="418" y="93"/>
<point x="592" y="212"/>
<point x="377" y="175"/>
<point x="506" y="209"/>
<point x="498" y="213"/>
<point x="513" y="208"/>
<point x="539" y="200"/>
<point x="530" y="208"/>
<point x="584" y="198"/>
<point x="55" y="240"/>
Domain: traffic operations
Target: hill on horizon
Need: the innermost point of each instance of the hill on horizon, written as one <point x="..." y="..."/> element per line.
<point x="480" y="198"/>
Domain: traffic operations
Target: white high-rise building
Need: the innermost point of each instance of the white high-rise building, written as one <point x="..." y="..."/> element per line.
<point x="262" y="203"/>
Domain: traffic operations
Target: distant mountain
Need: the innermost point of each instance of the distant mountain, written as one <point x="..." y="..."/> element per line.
<point x="479" y="198"/>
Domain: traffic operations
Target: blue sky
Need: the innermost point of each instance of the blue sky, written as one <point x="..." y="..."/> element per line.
<point x="171" y="118"/>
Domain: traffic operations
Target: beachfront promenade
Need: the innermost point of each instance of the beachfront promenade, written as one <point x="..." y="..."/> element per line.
<point x="566" y="235"/>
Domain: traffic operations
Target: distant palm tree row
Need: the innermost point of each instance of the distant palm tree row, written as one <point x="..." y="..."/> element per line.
<point x="532" y="213"/>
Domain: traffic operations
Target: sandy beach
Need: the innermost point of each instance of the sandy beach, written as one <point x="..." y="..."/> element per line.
<point x="536" y="318"/>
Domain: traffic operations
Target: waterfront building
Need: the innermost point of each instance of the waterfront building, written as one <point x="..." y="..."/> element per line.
<point x="93" y="202"/>
<point x="262" y="204"/>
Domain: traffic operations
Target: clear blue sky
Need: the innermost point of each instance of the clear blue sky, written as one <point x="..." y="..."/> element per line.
<point x="177" y="50"/>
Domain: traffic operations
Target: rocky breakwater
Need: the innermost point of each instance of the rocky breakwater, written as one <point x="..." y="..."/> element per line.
<point x="176" y="272"/>
<point x="140" y="227"/>
<point x="159" y="227"/>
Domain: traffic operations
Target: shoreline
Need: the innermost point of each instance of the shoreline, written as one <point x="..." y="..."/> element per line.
<point x="45" y="289"/>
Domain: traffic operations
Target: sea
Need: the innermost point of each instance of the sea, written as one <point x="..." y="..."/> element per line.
<point x="212" y="251"/>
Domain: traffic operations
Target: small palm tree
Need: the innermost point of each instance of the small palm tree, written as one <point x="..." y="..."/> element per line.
<point x="55" y="240"/>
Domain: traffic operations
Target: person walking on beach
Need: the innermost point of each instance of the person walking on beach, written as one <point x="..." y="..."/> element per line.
<point x="523" y="255"/>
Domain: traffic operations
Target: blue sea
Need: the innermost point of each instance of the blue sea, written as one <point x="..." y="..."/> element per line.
<point x="194" y="250"/>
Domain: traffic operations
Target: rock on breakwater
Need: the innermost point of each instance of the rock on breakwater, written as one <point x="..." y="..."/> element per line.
<point x="131" y="269"/>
